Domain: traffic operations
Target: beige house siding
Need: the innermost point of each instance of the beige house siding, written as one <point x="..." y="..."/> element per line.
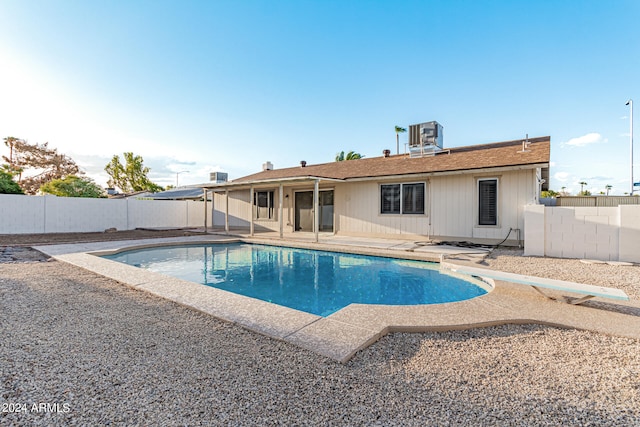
<point x="451" y="207"/>
<point x="238" y="209"/>
<point x="357" y="207"/>
<point x="454" y="207"/>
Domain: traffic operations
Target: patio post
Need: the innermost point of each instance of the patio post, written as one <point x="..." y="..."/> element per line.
<point x="251" y="195"/>
<point x="205" y="209"/>
<point x="280" y="216"/>
<point x="316" y="210"/>
<point x="226" y="211"/>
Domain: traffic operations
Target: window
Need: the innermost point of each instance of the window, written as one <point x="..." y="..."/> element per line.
<point x="411" y="196"/>
<point x="263" y="202"/>
<point x="390" y="199"/>
<point x="488" y="202"/>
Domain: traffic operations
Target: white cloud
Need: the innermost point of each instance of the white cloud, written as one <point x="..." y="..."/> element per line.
<point x="561" y="176"/>
<point x="590" y="138"/>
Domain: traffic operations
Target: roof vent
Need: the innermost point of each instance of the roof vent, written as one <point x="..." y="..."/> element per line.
<point x="303" y="163"/>
<point x="525" y="145"/>
<point x="267" y="166"/>
<point x="386" y="153"/>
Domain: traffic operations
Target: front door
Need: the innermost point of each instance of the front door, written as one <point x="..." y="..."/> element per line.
<point x="304" y="210"/>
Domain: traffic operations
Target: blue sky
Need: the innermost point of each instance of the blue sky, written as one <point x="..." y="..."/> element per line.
<point x="205" y="86"/>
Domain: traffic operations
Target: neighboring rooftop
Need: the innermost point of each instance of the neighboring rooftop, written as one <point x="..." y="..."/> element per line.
<point x="180" y="193"/>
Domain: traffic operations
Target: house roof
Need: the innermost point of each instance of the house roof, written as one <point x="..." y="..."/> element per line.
<point x="474" y="157"/>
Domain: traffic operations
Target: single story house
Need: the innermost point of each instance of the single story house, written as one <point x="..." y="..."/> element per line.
<point x="471" y="193"/>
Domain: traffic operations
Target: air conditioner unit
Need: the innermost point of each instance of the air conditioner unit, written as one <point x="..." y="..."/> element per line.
<point x="218" y="176"/>
<point x="425" y="139"/>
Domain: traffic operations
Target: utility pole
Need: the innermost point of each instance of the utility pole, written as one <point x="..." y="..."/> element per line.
<point x="630" y="104"/>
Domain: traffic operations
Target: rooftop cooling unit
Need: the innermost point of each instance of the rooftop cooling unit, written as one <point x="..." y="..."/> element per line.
<point x="425" y="139"/>
<point x="218" y="177"/>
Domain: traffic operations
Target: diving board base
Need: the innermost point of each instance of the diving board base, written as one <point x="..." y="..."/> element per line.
<point x="567" y="300"/>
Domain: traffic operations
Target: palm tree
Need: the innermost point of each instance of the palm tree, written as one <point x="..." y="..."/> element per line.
<point x="399" y="130"/>
<point x="582" y="184"/>
<point x="351" y="155"/>
<point x="608" y="187"/>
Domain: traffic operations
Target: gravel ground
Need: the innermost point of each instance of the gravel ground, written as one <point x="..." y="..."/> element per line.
<point x="59" y="238"/>
<point x="87" y="350"/>
<point x="626" y="278"/>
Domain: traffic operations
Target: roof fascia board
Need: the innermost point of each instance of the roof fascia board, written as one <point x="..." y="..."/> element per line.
<point x="248" y="184"/>
<point x="443" y="173"/>
<point x="288" y="180"/>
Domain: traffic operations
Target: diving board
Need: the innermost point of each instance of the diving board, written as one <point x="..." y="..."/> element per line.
<point x="589" y="291"/>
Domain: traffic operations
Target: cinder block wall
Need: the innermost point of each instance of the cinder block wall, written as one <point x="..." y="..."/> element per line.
<point x="49" y="214"/>
<point x="603" y="233"/>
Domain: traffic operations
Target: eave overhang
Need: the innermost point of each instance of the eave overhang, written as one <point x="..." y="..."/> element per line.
<point x="261" y="183"/>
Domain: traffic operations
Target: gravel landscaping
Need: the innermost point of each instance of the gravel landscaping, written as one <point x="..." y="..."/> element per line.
<point x="81" y="349"/>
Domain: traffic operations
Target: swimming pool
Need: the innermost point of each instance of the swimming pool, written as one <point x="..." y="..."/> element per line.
<point x="313" y="281"/>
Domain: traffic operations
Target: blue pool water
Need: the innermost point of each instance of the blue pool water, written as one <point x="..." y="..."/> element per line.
<point x="317" y="282"/>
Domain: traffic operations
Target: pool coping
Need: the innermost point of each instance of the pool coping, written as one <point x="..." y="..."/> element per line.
<point x="342" y="334"/>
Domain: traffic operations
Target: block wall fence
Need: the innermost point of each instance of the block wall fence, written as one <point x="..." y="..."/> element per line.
<point x="602" y="233"/>
<point x="49" y="214"/>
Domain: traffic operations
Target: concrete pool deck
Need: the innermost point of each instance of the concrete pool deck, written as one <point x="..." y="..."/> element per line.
<point x="340" y="335"/>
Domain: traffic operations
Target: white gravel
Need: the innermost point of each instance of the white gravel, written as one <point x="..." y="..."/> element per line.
<point x="110" y="355"/>
<point x="623" y="277"/>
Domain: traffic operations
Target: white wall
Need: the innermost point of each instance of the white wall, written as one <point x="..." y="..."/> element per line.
<point x="21" y="214"/>
<point x="49" y="214"/>
<point x="603" y="233"/>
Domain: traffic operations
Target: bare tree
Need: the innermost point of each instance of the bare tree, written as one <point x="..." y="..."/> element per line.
<point x="37" y="164"/>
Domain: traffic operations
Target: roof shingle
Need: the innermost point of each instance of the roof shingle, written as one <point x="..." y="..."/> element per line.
<point x="501" y="154"/>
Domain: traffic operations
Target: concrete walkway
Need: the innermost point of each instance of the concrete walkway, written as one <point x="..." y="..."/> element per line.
<point x="340" y="335"/>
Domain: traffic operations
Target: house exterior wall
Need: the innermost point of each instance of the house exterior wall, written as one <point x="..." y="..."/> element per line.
<point x="357" y="211"/>
<point x="516" y="189"/>
<point x="240" y="211"/>
<point x="451" y="208"/>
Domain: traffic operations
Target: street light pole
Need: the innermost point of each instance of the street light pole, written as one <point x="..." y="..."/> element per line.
<point x="177" y="174"/>
<point x="630" y="104"/>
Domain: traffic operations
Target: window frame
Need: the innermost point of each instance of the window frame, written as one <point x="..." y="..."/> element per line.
<point x="395" y="199"/>
<point x="481" y="201"/>
<point x="400" y="199"/>
<point x="271" y="211"/>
